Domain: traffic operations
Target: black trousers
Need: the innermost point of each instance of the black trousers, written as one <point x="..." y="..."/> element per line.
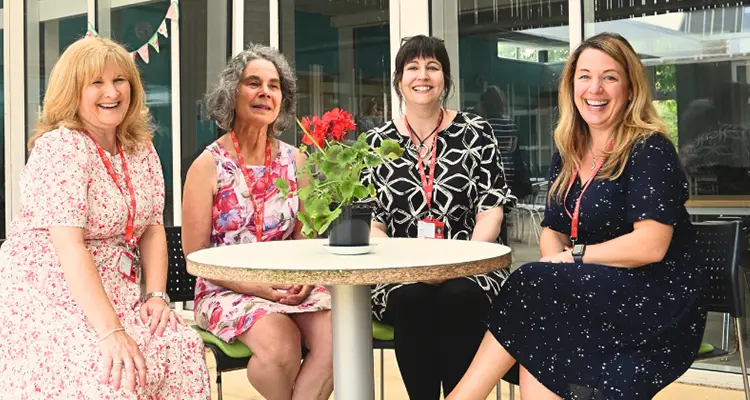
<point x="437" y="331"/>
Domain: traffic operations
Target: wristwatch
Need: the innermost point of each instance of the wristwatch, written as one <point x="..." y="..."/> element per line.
<point x="162" y="295"/>
<point x="577" y="253"/>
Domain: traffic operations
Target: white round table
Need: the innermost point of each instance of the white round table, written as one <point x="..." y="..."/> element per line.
<point x="348" y="278"/>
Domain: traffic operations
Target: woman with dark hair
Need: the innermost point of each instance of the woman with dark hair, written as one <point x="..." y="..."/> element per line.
<point x="448" y="184"/>
<point x="614" y="308"/>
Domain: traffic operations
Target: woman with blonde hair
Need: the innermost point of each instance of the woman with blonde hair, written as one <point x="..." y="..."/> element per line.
<point x="75" y="324"/>
<point x="614" y="307"/>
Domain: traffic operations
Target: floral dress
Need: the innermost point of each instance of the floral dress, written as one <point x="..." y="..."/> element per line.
<point x="48" y="349"/>
<point x="226" y="313"/>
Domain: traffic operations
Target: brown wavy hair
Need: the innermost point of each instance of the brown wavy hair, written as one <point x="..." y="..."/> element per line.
<point x="79" y="65"/>
<point x="639" y="120"/>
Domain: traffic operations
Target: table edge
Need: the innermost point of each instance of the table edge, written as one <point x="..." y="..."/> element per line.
<point x="352" y="276"/>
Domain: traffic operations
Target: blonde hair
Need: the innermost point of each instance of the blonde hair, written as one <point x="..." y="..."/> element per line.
<point x="79" y="65"/>
<point x="639" y="121"/>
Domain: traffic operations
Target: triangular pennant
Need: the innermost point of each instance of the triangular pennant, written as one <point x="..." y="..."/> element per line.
<point x="154" y="42"/>
<point x="91" y="31"/>
<point x="143" y="52"/>
<point x="163" y="29"/>
<point x="172" y="13"/>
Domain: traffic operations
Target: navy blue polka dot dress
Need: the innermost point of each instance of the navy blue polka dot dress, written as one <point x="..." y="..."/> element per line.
<point x="596" y="332"/>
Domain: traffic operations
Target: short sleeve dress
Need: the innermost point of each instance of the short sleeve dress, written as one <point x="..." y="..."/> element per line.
<point x="469" y="178"/>
<point x="224" y="312"/>
<point x="590" y="331"/>
<point x="49" y="350"/>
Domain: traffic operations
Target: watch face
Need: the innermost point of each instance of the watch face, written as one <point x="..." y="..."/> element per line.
<point x="578" y="249"/>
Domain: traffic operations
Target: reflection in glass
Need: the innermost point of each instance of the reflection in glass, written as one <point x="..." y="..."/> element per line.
<point x="341" y="53"/>
<point x="49" y="31"/>
<point x="133" y="27"/>
<point x="698" y="60"/>
<point x="203" y="54"/>
<point x="510" y="59"/>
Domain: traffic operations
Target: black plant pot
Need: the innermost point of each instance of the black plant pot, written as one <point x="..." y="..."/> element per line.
<point x="352" y="227"/>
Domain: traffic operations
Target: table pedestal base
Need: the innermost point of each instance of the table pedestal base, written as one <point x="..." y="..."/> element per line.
<point x="352" y="342"/>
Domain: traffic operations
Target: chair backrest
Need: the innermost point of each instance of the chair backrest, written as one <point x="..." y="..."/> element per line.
<point x="718" y="248"/>
<point x="180" y="284"/>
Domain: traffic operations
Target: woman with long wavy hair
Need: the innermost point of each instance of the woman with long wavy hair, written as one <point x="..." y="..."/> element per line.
<point x="613" y="309"/>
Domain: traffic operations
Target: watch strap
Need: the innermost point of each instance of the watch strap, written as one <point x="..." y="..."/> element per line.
<point x="162" y="295"/>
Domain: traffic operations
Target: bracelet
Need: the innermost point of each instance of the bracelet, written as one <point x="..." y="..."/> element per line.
<point x="110" y="333"/>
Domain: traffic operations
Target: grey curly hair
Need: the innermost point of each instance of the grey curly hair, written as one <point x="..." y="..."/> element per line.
<point x="221" y="98"/>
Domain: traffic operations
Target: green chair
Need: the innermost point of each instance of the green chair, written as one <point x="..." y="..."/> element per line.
<point x="382" y="339"/>
<point x="181" y="287"/>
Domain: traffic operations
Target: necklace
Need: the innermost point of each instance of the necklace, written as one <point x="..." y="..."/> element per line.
<point x="422" y="149"/>
<point x="593" y="160"/>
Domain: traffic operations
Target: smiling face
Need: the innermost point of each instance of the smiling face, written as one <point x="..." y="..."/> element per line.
<point x="259" y="94"/>
<point x="601" y="90"/>
<point x="422" y="82"/>
<point x="105" y="100"/>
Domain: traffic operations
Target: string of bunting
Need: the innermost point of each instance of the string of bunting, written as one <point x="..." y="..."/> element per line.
<point x="142" y="51"/>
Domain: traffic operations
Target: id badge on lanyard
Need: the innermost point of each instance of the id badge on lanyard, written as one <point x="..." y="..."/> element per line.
<point x="129" y="265"/>
<point x="430" y="228"/>
<point x="129" y="260"/>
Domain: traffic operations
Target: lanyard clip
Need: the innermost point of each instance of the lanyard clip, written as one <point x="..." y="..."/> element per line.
<point x="572" y="241"/>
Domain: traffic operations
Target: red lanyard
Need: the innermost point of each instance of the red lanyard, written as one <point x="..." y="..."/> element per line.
<point x="427" y="184"/>
<point x="130" y="239"/>
<point x="575" y="217"/>
<point x="258" y="207"/>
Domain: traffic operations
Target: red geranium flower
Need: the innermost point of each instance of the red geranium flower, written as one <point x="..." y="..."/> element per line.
<point x="334" y="124"/>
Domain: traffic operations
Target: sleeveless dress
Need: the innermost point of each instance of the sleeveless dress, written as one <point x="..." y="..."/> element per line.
<point x="590" y="331"/>
<point x="49" y="350"/>
<point x="224" y="312"/>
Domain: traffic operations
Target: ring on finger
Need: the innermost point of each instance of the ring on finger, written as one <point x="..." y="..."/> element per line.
<point x="116" y="362"/>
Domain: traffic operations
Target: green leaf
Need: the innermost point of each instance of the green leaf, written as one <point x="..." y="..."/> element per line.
<point x="323" y="224"/>
<point x="305" y="192"/>
<point x="360" y="191"/>
<point x="371" y="160"/>
<point x="390" y="149"/>
<point x="372" y="190"/>
<point x="282" y="184"/>
<point x="347" y="190"/>
<point x="318" y="207"/>
<point x="347" y="157"/>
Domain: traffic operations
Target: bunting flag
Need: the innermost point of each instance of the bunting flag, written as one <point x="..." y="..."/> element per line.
<point x="154" y="42"/>
<point x="143" y="52"/>
<point x="163" y="29"/>
<point x="172" y="13"/>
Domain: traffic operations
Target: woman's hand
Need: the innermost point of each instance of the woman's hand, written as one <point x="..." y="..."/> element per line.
<point x="121" y="355"/>
<point x="297" y="294"/>
<point x="157" y="314"/>
<point x="562" y="257"/>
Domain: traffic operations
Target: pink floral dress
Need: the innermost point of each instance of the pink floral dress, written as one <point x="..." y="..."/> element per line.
<point x="48" y="348"/>
<point x="223" y="312"/>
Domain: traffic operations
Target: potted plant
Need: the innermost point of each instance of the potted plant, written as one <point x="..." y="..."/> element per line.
<point x="334" y="199"/>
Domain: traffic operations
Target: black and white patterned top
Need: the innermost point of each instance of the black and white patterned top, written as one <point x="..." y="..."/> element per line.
<point x="469" y="179"/>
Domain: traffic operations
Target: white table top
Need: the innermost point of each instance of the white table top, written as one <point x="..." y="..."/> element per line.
<point x="308" y="262"/>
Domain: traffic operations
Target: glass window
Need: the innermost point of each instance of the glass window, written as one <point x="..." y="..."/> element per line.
<point x="696" y="54"/>
<point x="50" y="29"/>
<point x="134" y="27"/>
<point x="509" y="60"/>
<point x="341" y="53"/>
<point x="204" y="50"/>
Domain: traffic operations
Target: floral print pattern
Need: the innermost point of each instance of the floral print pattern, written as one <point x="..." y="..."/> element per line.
<point x="226" y="313"/>
<point x="49" y="350"/>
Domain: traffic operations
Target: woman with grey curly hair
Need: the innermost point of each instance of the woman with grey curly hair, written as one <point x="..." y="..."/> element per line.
<point x="230" y="199"/>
